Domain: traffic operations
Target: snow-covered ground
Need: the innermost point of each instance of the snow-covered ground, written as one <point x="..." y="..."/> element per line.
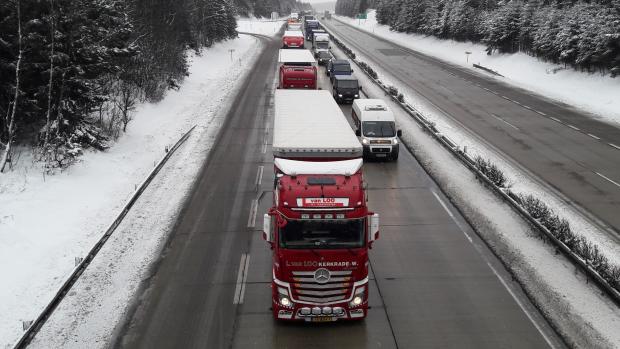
<point x="581" y="314"/>
<point x="593" y="92"/>
<point x="47" y="221"/>
<point x="259" y="26"/>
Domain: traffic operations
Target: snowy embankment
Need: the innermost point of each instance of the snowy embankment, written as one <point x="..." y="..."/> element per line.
<point x="577" y="309"/>
<point x="48" y="221"/>
<point x="592" y="92"/>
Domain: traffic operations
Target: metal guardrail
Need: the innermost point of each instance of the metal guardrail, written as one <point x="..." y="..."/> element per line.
<point x="469" y="162"/>
<point x="38" y="323"/>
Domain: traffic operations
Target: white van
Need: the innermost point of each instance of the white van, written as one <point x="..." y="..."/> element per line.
<point x="376" y="128"/>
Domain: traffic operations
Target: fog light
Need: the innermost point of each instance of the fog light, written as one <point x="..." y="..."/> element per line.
<point x="316" y="311"/>
<point x="327" y="310"/>
<point x="305" y="311"/>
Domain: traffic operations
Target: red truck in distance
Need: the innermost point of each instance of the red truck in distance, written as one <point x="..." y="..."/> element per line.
<point x="293" y="39"/>
<point x="298" y="70"/>
<point x="319" y="228"/>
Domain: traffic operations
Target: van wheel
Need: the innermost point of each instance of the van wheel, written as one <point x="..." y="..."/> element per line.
<point x="394" y="157"/>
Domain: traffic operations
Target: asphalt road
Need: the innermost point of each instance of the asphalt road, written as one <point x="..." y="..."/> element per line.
<point x="433" y="285"/>
<point x="567" y="150"/>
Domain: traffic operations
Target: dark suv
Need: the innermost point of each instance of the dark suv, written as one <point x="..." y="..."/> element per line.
<point x="338" y="67"/>
<point x="345" y="89"/>
<point x="323" y="57"/>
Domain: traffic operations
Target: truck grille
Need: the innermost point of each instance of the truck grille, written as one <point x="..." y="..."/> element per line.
<point x="306" y="288"/>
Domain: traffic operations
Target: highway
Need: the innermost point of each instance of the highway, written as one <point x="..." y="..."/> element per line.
<point x="434" y="284"/>
<point x="569" y="152"/>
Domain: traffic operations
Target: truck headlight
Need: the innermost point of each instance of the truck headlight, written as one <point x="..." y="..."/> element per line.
<point x="358" y="298"/>
<point x="364" y="141"/>
<point x="285" y="301"/>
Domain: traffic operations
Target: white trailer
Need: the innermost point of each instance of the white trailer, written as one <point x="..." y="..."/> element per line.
<point x="310" y="124"/>
<point x="296" y="57"/>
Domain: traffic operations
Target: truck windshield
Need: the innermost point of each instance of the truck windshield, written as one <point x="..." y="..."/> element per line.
<point x="327" y="234"/>
<point x="379" y="128"/>
<point x="347" y="84"/>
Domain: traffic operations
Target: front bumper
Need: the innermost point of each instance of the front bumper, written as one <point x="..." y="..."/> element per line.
<point x="313" y="312"/>
<point x="381" y="151"/>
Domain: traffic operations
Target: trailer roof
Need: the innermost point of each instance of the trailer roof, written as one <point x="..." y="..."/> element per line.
<point x="309" y="124"/>
<point x="295" y="56"/>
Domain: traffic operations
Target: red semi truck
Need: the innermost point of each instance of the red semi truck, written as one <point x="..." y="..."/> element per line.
<point x="298" y="69"/>
<point x="319" y="228"/>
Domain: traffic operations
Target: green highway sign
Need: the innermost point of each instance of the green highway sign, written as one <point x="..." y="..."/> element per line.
<point x="362" y="16"/>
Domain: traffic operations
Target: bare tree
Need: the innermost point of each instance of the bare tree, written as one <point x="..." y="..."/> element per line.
<point x="51" y="80"/>
<point x="10" y="121"/>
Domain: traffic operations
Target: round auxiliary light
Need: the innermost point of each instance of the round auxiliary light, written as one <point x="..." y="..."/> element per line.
<point x="285" y="301"/>
<point x="357" y="300"/>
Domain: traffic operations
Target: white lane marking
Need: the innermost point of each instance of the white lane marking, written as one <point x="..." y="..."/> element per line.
<point x="486" y="89"/>
<point x="501" y="279"/>
<point x="252" y="217"/>
<point x="445" y="207"/>
<point x="266" y="137"/>
<point x="593" y="136"/>
<point x="573" y="127"/>
<point x="541" y="113"/>
<point x="504" y="97"/>
<point x="516" y="102"/>
<point x="242" y="277"/>
<point x="527" y="313"/>
<point x="608" y="179"/>
<point x="259" y="176"/>
<point x="615" y="146"/>
<point x="555" y="119"/>
<point x="527" y="107"/>
<point x="509" y="124"/>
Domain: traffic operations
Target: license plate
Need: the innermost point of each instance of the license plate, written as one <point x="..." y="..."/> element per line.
<point x="323" y="319"/>
<point x="381" y="155"/>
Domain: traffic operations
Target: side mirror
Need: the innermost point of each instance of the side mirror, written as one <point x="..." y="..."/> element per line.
<point x="399" y="133"/>
<point x="358" y="132"/>
<point x="267" y="228"/>
<point x="373" y="228"/>
<point x="361" y="88"/>
<point x="351" y="71"/>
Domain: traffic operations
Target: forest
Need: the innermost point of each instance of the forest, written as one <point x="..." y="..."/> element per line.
<point x="72" y="71"/>
<point x="263" y="8"/>
<point x="584" y="35"/>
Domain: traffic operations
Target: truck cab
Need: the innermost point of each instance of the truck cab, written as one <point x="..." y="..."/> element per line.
<point x="338" y="67"/>
<point x="293" y="39"/>
<point x="376" y="128"/>
<point x="345" y="89"/>
<point x="320" y="42"/>
<point x="309" y="26"/>
<point x="319" y="229"/>
<point x="298" y="70"/>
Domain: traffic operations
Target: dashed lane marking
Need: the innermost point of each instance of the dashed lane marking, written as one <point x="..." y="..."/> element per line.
<point x="506" y="122"/>
<point x="593" y="136"/>
<point x="252" y="216"/>
<point x="527" y="107"/>
<point x="615" y="146"/>
<point x="573" y="127"/>
<point x="608" y="179"/>
<point x="541" y="113"/>
<point x="555" y="119"/>
<point x="259" y="177"/>
<point x="242" y="277"/>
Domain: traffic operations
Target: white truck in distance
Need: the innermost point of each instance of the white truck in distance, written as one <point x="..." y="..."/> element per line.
<point x="376" y="127"/>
